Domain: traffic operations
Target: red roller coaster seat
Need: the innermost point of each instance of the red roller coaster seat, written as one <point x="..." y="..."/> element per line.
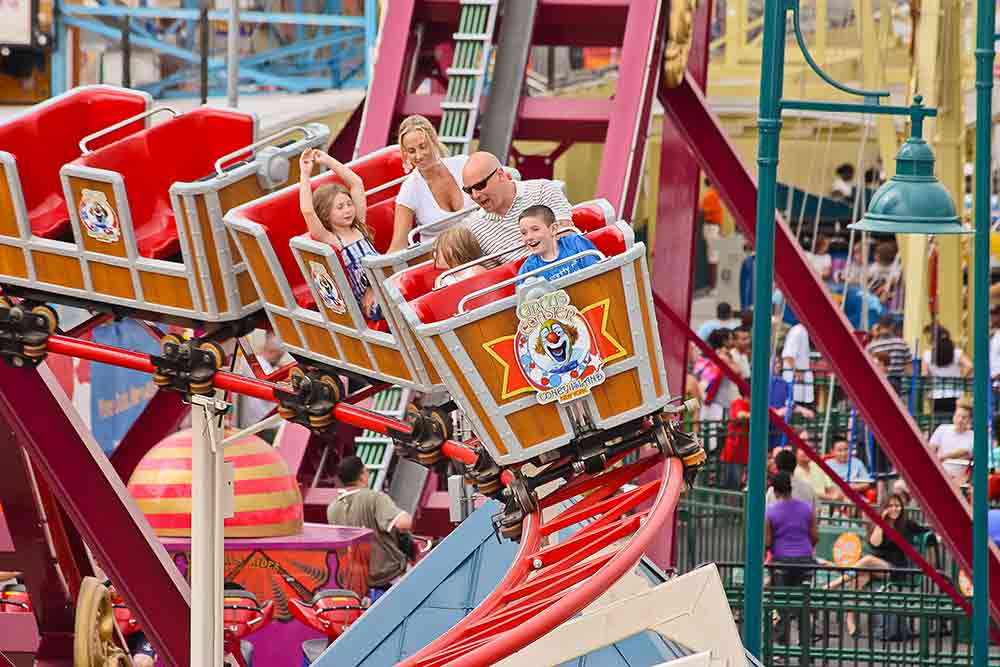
<point x="181" y="150"/>
<point x="14" y="599"/>
<point x="242" y="616"/>
<point x="443" y="303"/>
<point x="330" y="612"/>
<point x="47" y="136"/>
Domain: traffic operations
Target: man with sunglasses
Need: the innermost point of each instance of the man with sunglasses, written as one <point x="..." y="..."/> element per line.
<point x="502" y="200"/>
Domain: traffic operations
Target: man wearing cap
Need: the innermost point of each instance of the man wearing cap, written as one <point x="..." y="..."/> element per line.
<point x="502" y="200"/>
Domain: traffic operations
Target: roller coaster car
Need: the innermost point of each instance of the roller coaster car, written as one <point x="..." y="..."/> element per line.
<point x="14" y="599"/>
<point x="242" y="616"/>
<point x="546" y="369"/>
<point x="302" y="282"/>
<point x="317" y="318"/>
<point x="331" y="611"/>
<point x="142" y="230"/>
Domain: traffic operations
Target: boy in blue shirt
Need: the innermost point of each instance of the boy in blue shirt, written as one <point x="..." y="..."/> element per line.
<point x="538" y="232"/>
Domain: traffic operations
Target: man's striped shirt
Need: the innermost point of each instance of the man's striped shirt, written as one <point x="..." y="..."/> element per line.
<point x="897" y="349"/>
<point x="500" y="232"/>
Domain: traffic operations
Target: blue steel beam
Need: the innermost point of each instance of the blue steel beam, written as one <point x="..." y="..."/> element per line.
<point x="218" y="15"/>
<point x="187" y="56"/>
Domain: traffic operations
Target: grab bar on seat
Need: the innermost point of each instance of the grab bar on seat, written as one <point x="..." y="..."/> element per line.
<point x="521" y="276"/>
<point x="479" y="260"/>
<point x="122" y="123"/>
<point x="448" y="219"/>
<point x="385" y="186"/>
<point x="261" y="142"/>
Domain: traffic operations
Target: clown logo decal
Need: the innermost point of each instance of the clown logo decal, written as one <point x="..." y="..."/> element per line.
<point x="556" y="349"/>
<point x="326" y="288"/>
<point x="97" y="217"/>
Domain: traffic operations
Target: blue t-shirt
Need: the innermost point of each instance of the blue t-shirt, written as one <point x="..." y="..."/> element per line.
<point x="568" y="245"/>
<point x="855" y="467"/>
<point x="790" y="520"/>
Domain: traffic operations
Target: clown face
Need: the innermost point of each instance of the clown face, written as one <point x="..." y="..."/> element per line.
<point x="556" y="340"/>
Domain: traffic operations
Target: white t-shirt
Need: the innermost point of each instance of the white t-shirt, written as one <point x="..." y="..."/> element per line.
<point x="822" y="263"/>
<point x="500" y="232"/>
<point x="995" y="354"/>
<point x="952" y="370"/>
<point x="416" y="195"/>
<point x="797" y="347"/>
<point x="947" y="441"/>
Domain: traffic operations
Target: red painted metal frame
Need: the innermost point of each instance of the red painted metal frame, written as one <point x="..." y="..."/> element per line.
<point x="568" y="575"/>
<point x="262" y="389"/>
<point x="638" y="77"/>
<point x="672" y="261"/>
<point x="895" y="430"/>
<point x="52" y="602"/>
<point x="778" y="422"/>
<point x="38" y="415"/>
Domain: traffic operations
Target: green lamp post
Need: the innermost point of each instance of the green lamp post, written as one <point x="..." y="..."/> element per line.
<point x="912" y="202"/>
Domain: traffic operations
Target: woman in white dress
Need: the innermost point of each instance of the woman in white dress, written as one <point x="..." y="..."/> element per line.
<point x="432" y="191"/>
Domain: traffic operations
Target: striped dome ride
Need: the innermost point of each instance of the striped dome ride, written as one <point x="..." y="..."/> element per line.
<point x="268" y="502"/>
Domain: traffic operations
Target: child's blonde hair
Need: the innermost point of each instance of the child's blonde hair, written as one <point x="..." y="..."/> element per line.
<point x="457" y="246"/>
<point x="323" y="199"/>
<point x="419" y="123"/>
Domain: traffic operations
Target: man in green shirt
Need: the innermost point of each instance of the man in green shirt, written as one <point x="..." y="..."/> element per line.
<point x="362" y="507"/>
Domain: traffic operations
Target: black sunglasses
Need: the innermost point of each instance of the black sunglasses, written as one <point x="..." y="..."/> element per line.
<point x="468" y="189"/>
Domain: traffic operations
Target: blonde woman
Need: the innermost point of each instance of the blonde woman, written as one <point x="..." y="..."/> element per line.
<point x="432" y="191"/>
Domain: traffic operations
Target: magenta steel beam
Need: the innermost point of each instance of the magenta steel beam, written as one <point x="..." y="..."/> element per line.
<point x="388" y="77"/>
<point x="162" y="416"/>
<point x="677" y="215"/>
<point x="674" y="240"/>
<point x="51" y="601"/>
<point x="893" y="427"/>
<point x="579" y="119"/>
<point x="638" y="76"/>
<point x="41" y="419"/>
<point x="779" y="423"/>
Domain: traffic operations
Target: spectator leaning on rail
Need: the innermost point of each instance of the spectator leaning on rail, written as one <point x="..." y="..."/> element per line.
<point x="849" y="468"/>
<point x="886" y="338"/>
<point x="502" y="200"/>
<point x="952" y="443"/>
<point x="363" y="507"/>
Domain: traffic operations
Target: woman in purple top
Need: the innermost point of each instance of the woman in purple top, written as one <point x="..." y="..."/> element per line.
<point x="790" y="533"/>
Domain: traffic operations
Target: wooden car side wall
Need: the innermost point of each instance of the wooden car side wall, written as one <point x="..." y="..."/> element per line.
<point x="516" y="427"/>
<point x="207" y="285"/>
<point x="24" y="258"/>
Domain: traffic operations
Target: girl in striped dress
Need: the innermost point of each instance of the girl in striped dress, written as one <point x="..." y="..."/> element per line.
<point x="335" y="214"/>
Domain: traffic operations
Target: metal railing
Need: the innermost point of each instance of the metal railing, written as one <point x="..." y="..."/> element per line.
<point x="855" y="616"/>
<point x="291" y="51"/>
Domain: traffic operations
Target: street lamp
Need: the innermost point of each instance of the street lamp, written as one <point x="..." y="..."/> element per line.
<point x="913" y="201"/>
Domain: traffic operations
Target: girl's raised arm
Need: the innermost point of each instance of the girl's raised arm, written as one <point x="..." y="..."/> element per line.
<point x="320" y="233"/>
<point x="350" y="180"/>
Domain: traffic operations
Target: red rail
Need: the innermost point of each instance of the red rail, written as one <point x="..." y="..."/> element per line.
<point x="549" y="584"/>
<point x="262" y="389"/>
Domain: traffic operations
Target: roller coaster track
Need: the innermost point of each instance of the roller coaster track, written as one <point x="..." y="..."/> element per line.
<point x="566" y="560"/>
<point x="550" y="582"/>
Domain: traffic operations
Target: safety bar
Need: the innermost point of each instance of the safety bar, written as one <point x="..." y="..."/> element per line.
<point x="385" y="186"/>
<point x="457" y="215"/>
<point x="122" y="123"/>
<point x="522" y="276"/>
<point x="439" y="281"/>
<point x="260" y="142"/>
